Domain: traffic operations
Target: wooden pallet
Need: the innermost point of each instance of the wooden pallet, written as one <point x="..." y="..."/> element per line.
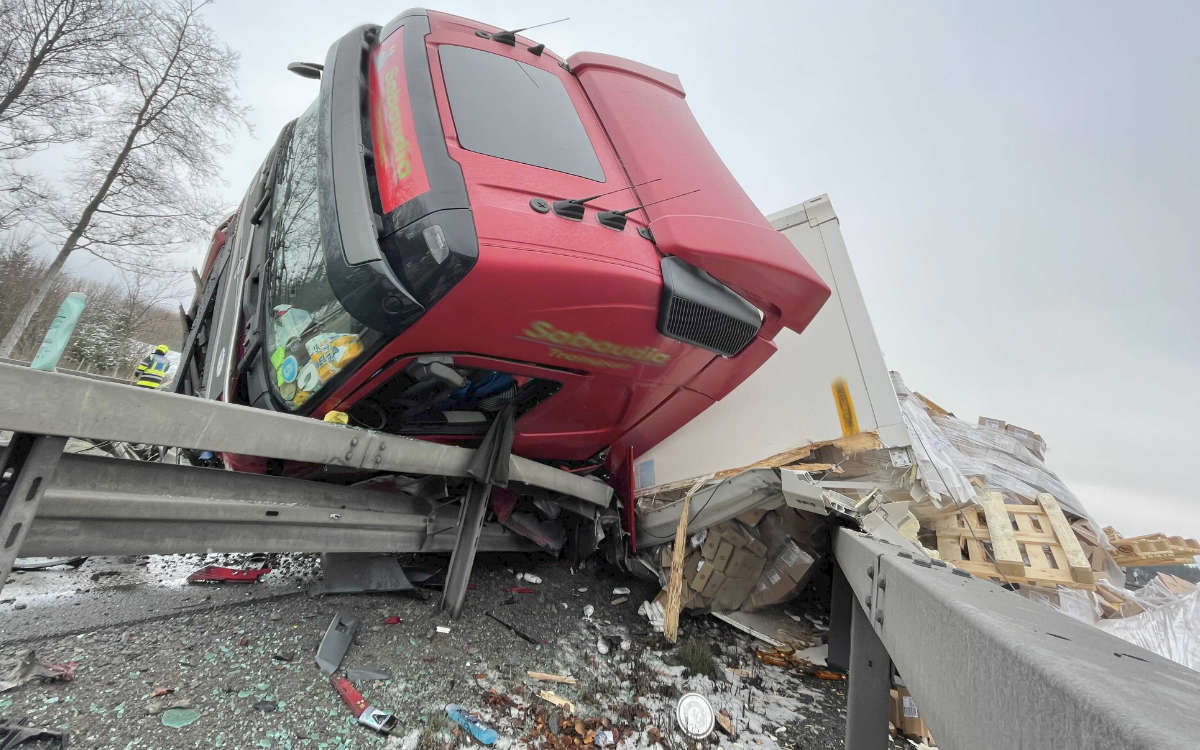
<point x="1152" y="549"/>
<point x="1029" y="544"/>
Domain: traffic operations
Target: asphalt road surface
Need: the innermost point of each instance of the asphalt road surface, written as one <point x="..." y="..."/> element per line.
<point x="159" y="663"/>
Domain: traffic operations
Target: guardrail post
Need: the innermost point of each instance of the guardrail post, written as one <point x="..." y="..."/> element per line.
<point x="839" y="621"/>
<point x="462" y="559"/>
<point x="26" y="467"/>
<point x="868" y="699"/>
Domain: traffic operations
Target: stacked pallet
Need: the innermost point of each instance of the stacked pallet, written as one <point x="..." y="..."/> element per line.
<point x="1152" y="549"/>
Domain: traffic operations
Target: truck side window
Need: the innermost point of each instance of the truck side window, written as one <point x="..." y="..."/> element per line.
<point x="505" y="108"/>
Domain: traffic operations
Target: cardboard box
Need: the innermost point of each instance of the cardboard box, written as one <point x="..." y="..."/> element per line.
<point x="752" y="516"/>
<point x="774" y="587"/>
<point x="667" y="551"/>
<point x="745" y="564"/>
<point x="733" y="594"/>
<point x="704" y="571"/>
<point x="906" y="717"/>
<point x="995" y="424"/>
<point x="793" y="561"/>
<point x="715" y="581"/>
<point x="691" y="564"/>
<point x="738" y="534"/>
<point x="800" y="527"/>
<point x="771" y="531"/>
<point x="685" y="597"/>
<point x="724" y="552"/>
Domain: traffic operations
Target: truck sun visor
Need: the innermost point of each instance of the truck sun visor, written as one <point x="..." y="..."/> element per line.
<point x="396" y="225"/>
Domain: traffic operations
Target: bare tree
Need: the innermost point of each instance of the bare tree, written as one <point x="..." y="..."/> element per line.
<point x="52" y="55"/>
<point x="137" y="196"/>
<point x="120" y="323"/>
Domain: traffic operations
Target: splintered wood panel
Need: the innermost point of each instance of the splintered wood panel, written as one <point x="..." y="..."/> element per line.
<point x="1081" y="567"/>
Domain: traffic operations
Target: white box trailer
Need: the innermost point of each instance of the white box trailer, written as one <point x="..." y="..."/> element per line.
<point x="789" y="401"/>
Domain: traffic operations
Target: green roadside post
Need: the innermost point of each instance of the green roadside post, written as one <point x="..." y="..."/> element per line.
<point x="56" y="339"/>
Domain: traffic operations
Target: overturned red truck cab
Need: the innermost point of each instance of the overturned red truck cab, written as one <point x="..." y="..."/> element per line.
<point x="463" y="223"/>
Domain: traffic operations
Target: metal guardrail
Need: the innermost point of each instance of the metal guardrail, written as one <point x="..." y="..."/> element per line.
<point x="47" y="403"/>
<point x="95" y="505"/>
<point x="56" y="503"/>
<point x="989" y="668"/>
<point x="77" y="373"/>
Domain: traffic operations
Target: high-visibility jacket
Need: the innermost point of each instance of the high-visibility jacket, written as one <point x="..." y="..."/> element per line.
<point x="152" y="370"/>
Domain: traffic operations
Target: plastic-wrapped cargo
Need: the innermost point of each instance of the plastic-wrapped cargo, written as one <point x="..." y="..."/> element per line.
<point x="939" y="462"/>
<point x="956" y="459"/>
<point x="1171" y="630"/>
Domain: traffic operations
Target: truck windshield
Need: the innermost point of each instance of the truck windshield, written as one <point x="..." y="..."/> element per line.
<point x="310" y="337"/>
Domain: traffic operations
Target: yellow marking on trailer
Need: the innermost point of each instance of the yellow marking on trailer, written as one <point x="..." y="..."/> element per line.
<point x="845" y="407"/>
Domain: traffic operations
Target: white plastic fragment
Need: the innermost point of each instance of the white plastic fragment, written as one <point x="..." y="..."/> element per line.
<point x="588" y="611"/>
<point x="654" y="612"/>
<point x="443" y="629"/>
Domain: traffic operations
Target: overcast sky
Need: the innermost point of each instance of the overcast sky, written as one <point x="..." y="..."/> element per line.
<point x="1016" y="184"/>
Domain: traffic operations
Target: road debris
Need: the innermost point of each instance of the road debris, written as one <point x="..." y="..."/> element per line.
<point x="520" y="633"/>
<point x="336" y="642"/>
<point x="218" y="574"/>
<point x="725" y="723"/>
<point x="178" y="718"/>
<point x="695" y="716"/>
<point x="547" y="677"/>
<point x="471" y="724"/>
<point x="27" y="564"/>
<point x="444" y="630"/>
<point x="24" y="667"/>
<point x="393" y="620"/>
<point x="367" y="674"/>
<point x="369" y="716"/>
<point x="15" y="735"/>
<point x="551" y="697"/>
<point x="529" y="577"/>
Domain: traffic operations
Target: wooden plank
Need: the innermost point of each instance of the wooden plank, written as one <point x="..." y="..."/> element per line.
<point x="1004" y="546"/>
<point x="1081" y="568"/>
<point x="675" y="584"/>
<point x="547" y="677"/>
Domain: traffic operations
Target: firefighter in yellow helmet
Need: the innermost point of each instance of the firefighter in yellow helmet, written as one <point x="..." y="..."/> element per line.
<point x="152" y="371"/>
